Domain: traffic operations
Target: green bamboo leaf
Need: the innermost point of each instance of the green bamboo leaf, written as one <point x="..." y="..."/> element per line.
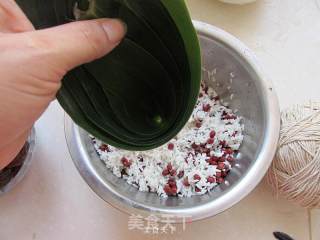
<point x="80" y="119"/>
<point x="140" y="32"/>
<point x="140" y="95"/>
<point x="179" y="13"/>
<point x="93" y="91"/>
<point x="134" y="94"/>
<point x="79" y="95"/>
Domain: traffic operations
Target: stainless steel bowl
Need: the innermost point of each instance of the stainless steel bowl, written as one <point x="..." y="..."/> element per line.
<point x="256" y="101"/>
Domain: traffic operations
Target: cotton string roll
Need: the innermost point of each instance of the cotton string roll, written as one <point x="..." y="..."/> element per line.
<point x="295" y="171"/>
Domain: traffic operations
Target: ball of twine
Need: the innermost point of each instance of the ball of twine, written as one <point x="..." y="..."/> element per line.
<point x="295" y="171"/>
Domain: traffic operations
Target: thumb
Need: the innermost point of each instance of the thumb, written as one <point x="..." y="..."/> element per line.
<point x="79" y="42"/>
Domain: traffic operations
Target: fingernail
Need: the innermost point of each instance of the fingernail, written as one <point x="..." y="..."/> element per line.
<point x="124" y="25"/>
<point x="115" y="28"/>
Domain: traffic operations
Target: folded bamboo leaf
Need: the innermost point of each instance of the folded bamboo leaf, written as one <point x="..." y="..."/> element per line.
<point x="103" y="109"/>
<point x="75" y="112"/>
<point x="79" y="118"/>
<point x="95" y="10"/>
<point x="140" y="95"/>
<point x="151" y="12"/>
<point x="41" y="16"/>
<point x="79" y="95"/>
<point x="143" y="94"/>
<point x="142" y="34"/>
<point x="178" y="11"/>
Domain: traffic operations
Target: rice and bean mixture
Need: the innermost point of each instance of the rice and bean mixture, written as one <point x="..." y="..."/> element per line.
<point x="193" y="163"/>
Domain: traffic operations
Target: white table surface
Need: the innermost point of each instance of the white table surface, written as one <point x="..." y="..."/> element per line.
<point x="53" y="202"/>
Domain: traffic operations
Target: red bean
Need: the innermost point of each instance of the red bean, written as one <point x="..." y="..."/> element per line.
<point x="197" y="177"/>
<point x="221" y="165"/>
<point x="194" y="146"/>
<point x="229" y="117"/>
<point x="223" y="143"/>
<point x="214" y="158"/>
<point x="217" y="98"/>
<point x="198" y="124"/>
<point x="220" y="180"/>
<point x="167" y="189"/>
<point x="211" y="179"/>
<point x="169" y="167"/>
<point x="206" y="151"/>
<point x="228" y="151"/>
<point x="165" y="172"/>
<point x="170" y="146"/>
<point x="126" y="162"/>
<point x="173" y="172"/>
<point x="213" y="163"/>
<point x="104" y="148"/>
<point x="212" y="134"/>
<point x="180" y="174"/>
<point x="206" y="107"/>
<point x="172" y="184"/>
<point x="186" y="182"/>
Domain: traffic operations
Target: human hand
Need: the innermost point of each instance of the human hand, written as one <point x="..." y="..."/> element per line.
<point x="33" y="64"/>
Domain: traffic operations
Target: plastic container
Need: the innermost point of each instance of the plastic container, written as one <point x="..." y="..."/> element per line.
<point x="17" y="169"/>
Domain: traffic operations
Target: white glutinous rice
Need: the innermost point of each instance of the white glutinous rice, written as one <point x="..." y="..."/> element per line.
<point x="193" y="163"/>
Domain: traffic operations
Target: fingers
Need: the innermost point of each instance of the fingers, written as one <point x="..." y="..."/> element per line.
<point x="80" y="42"/>
<point x="12" y="19"/>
